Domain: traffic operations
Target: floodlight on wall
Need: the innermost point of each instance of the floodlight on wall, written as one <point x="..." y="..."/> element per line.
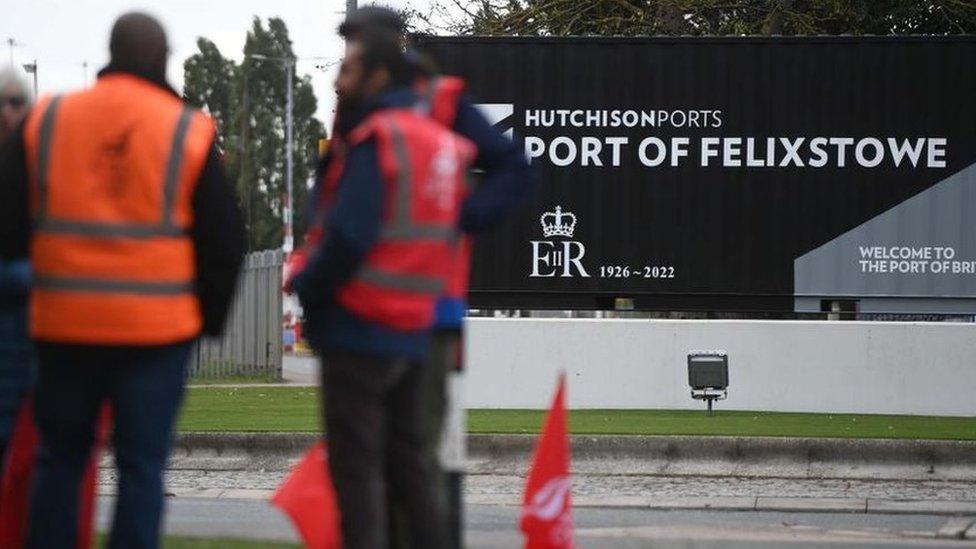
<point x="708" y="376"/>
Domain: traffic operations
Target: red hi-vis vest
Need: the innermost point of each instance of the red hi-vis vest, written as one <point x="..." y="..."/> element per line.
<point x="423" y="166"/>
<point x="439" y="97"/>
<point x="113" y="170"/>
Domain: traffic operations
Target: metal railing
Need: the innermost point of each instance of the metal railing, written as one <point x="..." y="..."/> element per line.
<point x="251" y="345"/>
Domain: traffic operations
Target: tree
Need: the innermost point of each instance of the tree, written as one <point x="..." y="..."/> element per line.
<point x="702" y="17"/>
<point x="209" y="79"/>
<point x="247" y="102"/>
<point x="264" y="83"/>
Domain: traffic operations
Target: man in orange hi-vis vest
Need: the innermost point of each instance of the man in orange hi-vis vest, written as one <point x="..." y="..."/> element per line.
<point x="117" y="195"/>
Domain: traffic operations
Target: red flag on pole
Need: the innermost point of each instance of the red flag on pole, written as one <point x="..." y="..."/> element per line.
<point x="547" y="518"/>
<point x="18" y="473"/>
<point x="308" y="498"/>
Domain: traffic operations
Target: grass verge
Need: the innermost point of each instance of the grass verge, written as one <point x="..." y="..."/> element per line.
<point x="235" y="380"/>
<point x="296" y="409"/>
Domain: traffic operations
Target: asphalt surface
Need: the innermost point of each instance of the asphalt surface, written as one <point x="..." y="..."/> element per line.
<point x="300" y="369"/>
<point x="489" y="526"/>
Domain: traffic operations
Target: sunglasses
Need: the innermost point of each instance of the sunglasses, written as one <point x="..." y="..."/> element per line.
<point x="15" y="102"/>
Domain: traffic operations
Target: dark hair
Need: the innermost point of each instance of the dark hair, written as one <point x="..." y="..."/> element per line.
<point x="138" y="43"/>
<point x="372" y="18"/>
<point x="382" y="51"/>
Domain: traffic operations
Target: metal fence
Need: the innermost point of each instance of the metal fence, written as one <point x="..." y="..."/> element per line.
<point x="251" y="345"/>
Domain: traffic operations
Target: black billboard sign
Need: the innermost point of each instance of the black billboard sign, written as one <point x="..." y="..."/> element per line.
<point x="732" y="173"/>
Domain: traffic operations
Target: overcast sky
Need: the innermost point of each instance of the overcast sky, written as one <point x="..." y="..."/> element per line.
<point x="61" y="35"/>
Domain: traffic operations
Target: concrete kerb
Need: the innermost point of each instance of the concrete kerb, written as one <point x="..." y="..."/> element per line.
<point x="754" y="457"/>
<point x="965" y="511"/>
<point x="763" y="457"/>
<point x="239" y="451"/>
<point x="636" y="455"/>
<point x="620" y="455"/>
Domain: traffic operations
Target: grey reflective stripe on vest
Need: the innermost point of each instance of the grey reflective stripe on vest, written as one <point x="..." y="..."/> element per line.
<point x="402" y="282"/>
<point x="165" y="228"/>
<point x="425" y="105"/>
<point x="101" y="285"/>
<point x="173" y="166"/>
<point x="44" y="155"/>
<point x="401" y="216"/>
<point x="418" y="232"/>
<point x="105" y="230"/>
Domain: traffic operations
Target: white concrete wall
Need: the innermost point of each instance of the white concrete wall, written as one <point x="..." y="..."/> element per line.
<point x="858" y="367"/>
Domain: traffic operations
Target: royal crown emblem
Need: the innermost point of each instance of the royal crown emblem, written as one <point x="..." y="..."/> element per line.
<point x="558" y="223"/>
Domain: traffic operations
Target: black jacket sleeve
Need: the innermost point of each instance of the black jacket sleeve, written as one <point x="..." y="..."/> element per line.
<point x="14" y="216"/>
<point x="508" y="181"/>
<point x="219" y="243"/>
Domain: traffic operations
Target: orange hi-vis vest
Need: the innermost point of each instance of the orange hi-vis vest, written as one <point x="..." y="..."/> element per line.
<point x="423" y="167"/>
<point x="113" y="170"/>
<point x="439" y="97"/>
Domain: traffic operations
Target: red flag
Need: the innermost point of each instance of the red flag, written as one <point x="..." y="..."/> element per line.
<point x="547" y="517"/>
<point x="309" y="499"/>
<point x="295" y="264"/>
<point x="18" y="473"/>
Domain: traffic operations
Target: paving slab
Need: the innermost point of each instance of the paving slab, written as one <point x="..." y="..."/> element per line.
<point x="507" y="500"/>
<point x="637" y="502"/>
<point x="921" y="507"/>
<point x="733" y="503"/>
<point x="241" y="493"/>
<point x="955" y="528"/>
<point x="812" y="505"/>
<point x="197" y="493"/>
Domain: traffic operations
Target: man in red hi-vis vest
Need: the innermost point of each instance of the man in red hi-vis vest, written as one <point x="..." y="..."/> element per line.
<point x="504" y="181"/>
<point x="117" y="195"/>
<point x="379" y="256"/>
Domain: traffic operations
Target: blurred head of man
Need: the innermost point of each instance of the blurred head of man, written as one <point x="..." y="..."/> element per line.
<point x="138" y="45"/>
<point x="373" y="19"/>
<point x="14" y="101"/>
<point x="372" y="65"/>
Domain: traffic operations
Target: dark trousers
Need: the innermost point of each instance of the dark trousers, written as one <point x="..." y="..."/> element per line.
<point x="374" y="425"/>
<point x="441" y="360"/>
<point x="15" y="368"/>
<point x="145" y="387"/>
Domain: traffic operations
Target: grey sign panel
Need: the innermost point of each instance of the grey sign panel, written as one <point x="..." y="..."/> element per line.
<point x="925" y="247"/>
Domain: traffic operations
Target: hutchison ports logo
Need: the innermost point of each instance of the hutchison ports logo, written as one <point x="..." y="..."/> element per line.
<point x="500" y="115"/>
<point x="558" y="258"/>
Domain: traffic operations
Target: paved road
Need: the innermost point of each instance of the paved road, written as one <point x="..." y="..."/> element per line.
<point x="490" y="527"/>
<point x="300" y="369"/>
